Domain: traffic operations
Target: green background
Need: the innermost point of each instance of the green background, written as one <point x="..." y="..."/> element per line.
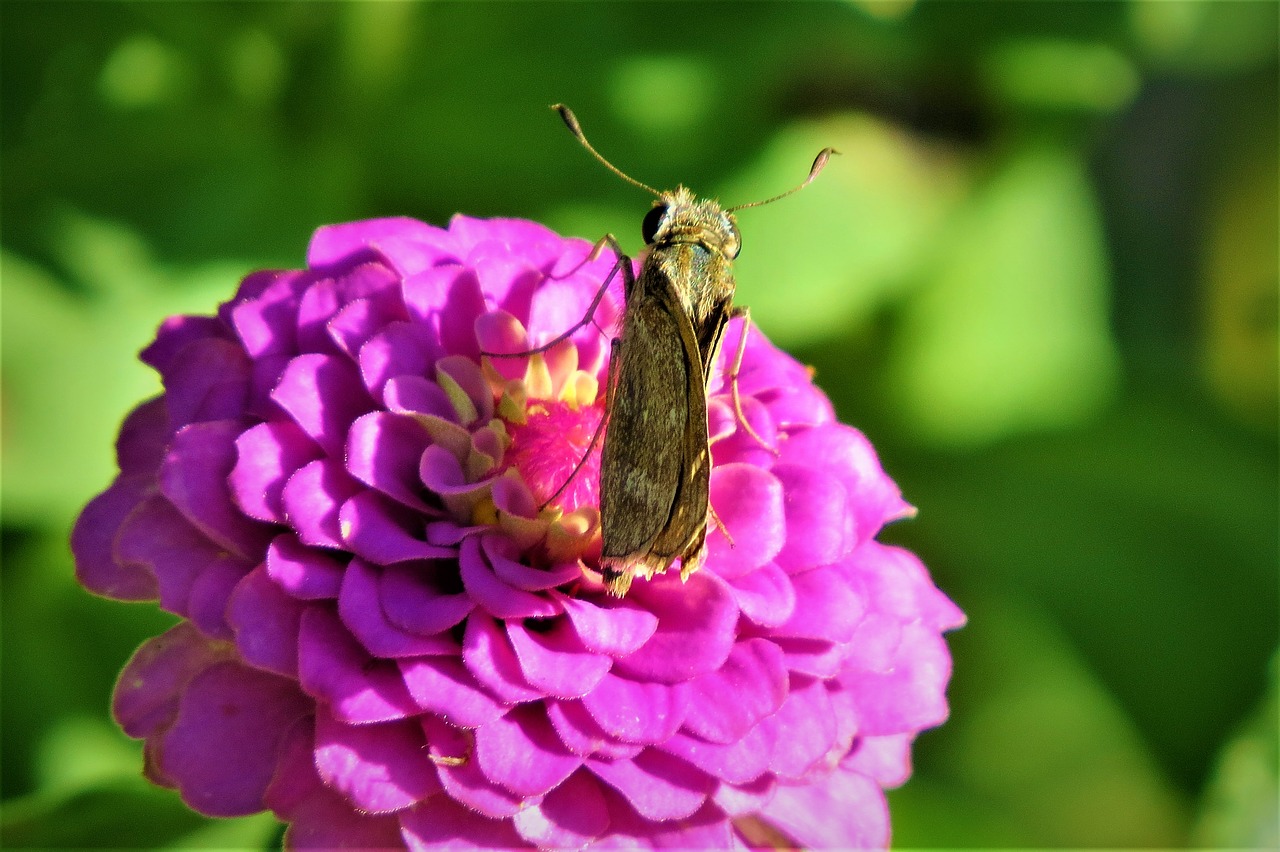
<point x="1042" y="277"/>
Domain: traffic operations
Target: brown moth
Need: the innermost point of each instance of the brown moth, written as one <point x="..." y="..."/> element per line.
<point x="655" y="469"/>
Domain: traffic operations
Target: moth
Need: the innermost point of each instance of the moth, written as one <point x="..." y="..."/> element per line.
<point x="655" y="469"/>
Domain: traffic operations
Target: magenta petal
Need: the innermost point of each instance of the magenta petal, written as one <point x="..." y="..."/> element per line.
<point x="333" y="668"/>
<point x="738" y="762"/>
<point x="752" y="684"/>
<point x="802" y="730"/>
<point x="157" y="537"/>
<point x="211" y="596"/>
<point x="874" y="497"/>
<point x="265" y="621"/>
<point x="323" y="394"/>
<point x="442" y="823"/>
<point x="356" y="322"/>
<point x="569" y="817"/>
<point x="383" y="451"/>
<point x="407" y="243"/>
<point x="361" y="613"/>
<point x="489" y="657"/>
<point x="385" y="532"/>
<point x="582" y="735"/>
<point x="266" y="456"/>
<point x="207" y="380"/>
<point x="765" y="596"/>
<point x="147" y="691"/>
<point x="194" y="478"/>
<point x="555" y="661"/>
<point x="820" y="527"/>
<point x="695" y="632"/>
<point x="616" y="630"/>
<point x="327" y="822"/>
<point x="454" y="754"/>
<point x="495" y="596"/>
<point x="826" y="607"/>
<point x="378" y="768"/>
<point x="658" y="785"/>
<point x="312" y="499"/>
<point x="748" y="501"/>
<point x="264" y="322"/>
<point x="637" y="711"/>
<point x="144" y="439"/>
<point x="415" y="394"/>
<point x="909" y="696"/>
<point x="222" y="748"/>
<point x="400" y="349"/>
<point x="92" y="540"/>
<point x="447" y="297"/>
<point x="854" y="809"/>
<point x="746" y="798"/>
<point x="504" y="555"/>
<point x="177" y="333"/>
<point x="304" y="572"/>
<point x="885" y="759"/>
<point x="415" y="599"/>
<point x="521" y="752"/>
<point x="442" y="685"/>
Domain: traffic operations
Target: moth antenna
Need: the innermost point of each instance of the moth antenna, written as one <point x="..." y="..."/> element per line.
<point x="571" y="121"/>
<point x="819" y="163"/>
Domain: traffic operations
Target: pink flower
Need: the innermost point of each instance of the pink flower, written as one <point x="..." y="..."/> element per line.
<point x="387" y="643"/>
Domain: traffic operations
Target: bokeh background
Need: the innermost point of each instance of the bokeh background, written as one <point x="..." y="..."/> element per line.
<point x="1042" y="277"/>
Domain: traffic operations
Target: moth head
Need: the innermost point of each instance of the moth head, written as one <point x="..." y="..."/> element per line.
<point x="679" y="217"/>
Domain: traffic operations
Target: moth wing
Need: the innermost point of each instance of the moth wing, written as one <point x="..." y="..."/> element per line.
<point x="686" y="531"/>
<point x="644" y="441"/>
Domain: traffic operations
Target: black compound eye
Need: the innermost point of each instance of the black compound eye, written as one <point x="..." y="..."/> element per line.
<point x="652" y="221"/>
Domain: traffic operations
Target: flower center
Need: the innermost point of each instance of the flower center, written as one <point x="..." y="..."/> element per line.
<point x="553" y="451"/>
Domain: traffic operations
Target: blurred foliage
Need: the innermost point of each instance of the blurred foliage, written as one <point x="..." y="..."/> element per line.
<point x="1043" y="278"/>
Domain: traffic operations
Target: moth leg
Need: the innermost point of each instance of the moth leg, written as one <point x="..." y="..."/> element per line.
<point x="744" y="313"/>
<point x="610" y="387"/>
<point x="715" y="519"/>
<point x="622" y="265"/>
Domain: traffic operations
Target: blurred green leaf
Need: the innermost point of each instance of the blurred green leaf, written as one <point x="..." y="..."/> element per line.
<point x="1010" y="331"/>
<point x="1241" y="807"/>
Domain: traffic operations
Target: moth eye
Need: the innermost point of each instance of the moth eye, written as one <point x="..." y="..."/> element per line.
<point x="652" y="220"/>
<point x="733" y="244"/>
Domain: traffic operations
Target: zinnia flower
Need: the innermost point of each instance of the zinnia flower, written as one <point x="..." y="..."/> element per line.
<point x="386" y="642"/>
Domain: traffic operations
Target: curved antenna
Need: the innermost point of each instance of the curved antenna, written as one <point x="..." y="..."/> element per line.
<point x="571" y="121"/>
<point x="819" y="163"/>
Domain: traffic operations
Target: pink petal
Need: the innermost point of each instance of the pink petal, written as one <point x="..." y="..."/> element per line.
<point x="802" y="730"/>
<point x="765" y="596"/>
<point x="582" y="735"/>
<point x="887" y="759"/>
<point x="442" y="685"/>
<point x="442" y="823"/>
<point x="333" y="668"/>
<point x="820" y="527"/>
<point x="491" y="660"/>
<point x="637" y="711"/>
<point x="383" y="451"/>
<point x="910" y="695"/>
<point x="264" y="320"/>
<point x="521" y="752"/>
<point x="855" y="815"/>
<point x="418" y="597"/>
<point x="266" y="456"/>
<point x="555" y="661"/>
<point x="265" y="621"/>
<point x="194" y="478"/>
<point x="495" y="596"/>
<point x="92" y="540"/>
<point x="749" y="503"/>
<point x="400" y="349"/>
<point x="148" y="689"/>
<point x="738" y="762"/>
<point x="826" y="607"/>
<point x="323" y="394"/>
<point x="222" y="748"/>
<point x="610" y="626"/>
<point x="378" y="768"/>
<point x="385" y="532"/>
<point x="752" y="684"/>
<point x="454" y="753"/>
<point x="358" y="606"/>
<point x="569" y="817"/>
<point x="658" y="785"/>
<point x="695" y="632"/>
<point x="447" y="297"/>
<point x="305" y="573"/>
<point x="408" y="244"/>
<point x="312" y="499"/>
